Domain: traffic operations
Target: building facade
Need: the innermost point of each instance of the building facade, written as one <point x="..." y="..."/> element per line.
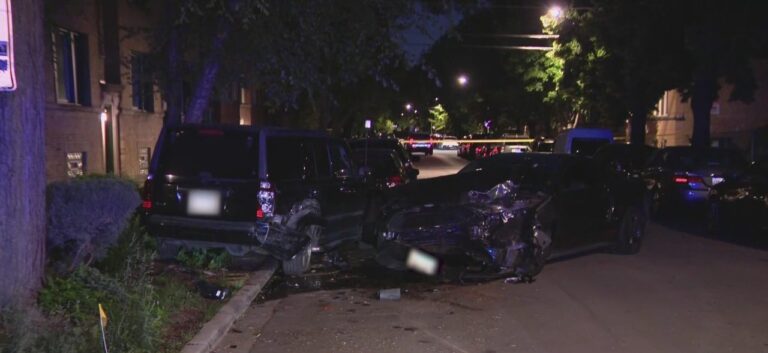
<point x="102" y="114"/>
<point x="733" y="124"/>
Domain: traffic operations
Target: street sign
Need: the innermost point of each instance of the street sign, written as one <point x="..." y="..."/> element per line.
<point x="7" y="73"/>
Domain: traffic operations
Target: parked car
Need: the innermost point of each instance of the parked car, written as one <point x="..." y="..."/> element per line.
<point x="625" y="158"/>
<point x="269" y="191"/>
<point x="449" y="143"/>
<point x="544" y="145"/>
<point x="385" y="170"/>
<point x="677" y="177"/>
<point x="421" y="143"/>
<point x="392" y="144"/>
<point x="516" y="148"/>
<point x="740" y="204"/>
<point x="505" y="215"/>
<point x="582" y="141"/>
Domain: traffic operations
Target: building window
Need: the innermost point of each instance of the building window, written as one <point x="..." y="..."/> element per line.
<point x="71" y="69"/>
<point x="141" y="81"/>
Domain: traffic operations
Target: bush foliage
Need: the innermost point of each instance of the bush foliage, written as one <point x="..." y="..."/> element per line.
<point x="85" y="218"/>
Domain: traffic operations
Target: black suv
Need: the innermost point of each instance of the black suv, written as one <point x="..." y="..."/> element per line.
<point x="284" y="193"/>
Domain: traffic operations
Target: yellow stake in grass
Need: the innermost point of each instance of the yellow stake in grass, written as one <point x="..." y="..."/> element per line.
<point x="103" y="323"/>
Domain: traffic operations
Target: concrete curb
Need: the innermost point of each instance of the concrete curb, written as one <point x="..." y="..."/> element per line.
<point x="212" y="332"/>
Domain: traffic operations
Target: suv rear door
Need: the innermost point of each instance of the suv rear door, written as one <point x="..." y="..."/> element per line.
<point x="207" y="173"/>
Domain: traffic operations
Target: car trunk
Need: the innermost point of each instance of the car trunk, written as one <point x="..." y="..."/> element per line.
<point x="207" y="173"/>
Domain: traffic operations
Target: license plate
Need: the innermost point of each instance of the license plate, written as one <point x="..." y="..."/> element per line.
<point x="421" y="262"/>
<point x="204" y="203"/>
<point x="716" y="180"/>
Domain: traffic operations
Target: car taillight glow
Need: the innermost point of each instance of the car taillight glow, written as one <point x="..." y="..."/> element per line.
<point x="394" y="180"/>
<point x="687" y="179"/>
<point x="410" y="141"/>
<point x="146" y="202"/>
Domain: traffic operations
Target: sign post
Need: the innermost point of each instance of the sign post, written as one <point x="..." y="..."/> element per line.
<point x="7" y="71"/>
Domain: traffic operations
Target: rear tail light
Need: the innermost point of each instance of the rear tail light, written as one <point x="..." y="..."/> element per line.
<point x="146" y="202"/>
<point x="394" y="180"/>
<point x="688" y="179"/>
<point x="410" y="141"/>
<point x="266" y="198"/>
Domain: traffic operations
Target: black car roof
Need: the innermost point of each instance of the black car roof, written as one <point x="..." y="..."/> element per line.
<point x="250" y="128"/>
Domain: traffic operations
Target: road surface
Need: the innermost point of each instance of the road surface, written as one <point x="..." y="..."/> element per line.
<point x="439" y="164"/>
<point x="681" y="293"/>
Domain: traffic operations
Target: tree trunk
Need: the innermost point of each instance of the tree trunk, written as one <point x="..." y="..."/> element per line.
<point x="705" y="89"/>
<point x="22" y="161"/>
<point x="204" y="88"/>
<point x="637" y="126"/>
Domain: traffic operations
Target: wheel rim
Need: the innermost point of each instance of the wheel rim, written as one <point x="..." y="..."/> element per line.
<point x="635" y="229"/>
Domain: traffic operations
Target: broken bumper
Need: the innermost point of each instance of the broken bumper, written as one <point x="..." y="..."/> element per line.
<point x="274" y="238"/>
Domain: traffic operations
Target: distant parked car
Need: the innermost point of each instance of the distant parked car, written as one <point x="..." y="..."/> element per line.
<point x="278" y="192"/>
<point x="385" y="170"/>
<point x="582" y="141"/>
<point x="391" y="144"/>
<point x="544" y="145"/>
<point x="516" y="148"/>
<point x="683" y="176"/>
<point x="421" y="143"/>
<point x="449" y="143"/>
<point x="740" y="204"/>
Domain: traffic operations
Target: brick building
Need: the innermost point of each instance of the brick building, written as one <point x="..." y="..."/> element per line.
<point x="733" y="124"/>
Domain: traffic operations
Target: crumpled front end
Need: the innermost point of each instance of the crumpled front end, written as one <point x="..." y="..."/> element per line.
<point x="493" y="232"/>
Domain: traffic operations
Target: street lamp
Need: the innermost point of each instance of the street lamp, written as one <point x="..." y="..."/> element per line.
<point x="408" y="106"/>
<point x="556" y="12"/>
<point x="462" y="80"/>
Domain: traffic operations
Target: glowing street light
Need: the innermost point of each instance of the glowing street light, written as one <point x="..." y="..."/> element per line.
<point x="408" y="107"/>
<point x="556" y="12"/>
<point x="462" y="80"/>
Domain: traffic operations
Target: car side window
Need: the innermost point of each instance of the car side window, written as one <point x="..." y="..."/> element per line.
<point x="341" y="161"/>
<point x="289" y="158"/>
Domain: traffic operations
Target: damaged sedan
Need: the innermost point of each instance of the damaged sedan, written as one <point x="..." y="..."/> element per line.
<point x="506" y="216"/>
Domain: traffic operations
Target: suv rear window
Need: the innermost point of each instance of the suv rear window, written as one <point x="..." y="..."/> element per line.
<point x="213" y="153"/>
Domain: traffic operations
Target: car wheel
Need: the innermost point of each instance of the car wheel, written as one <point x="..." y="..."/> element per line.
<point x="631" y="231"/>
<point x="656" y="204"/>
<point x="299" y="263"/>
<point x="714" y="219"/>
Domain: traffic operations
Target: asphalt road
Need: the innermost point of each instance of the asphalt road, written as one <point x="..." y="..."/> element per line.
<point x="682" y="293"/>
<point x="442" y="162"/>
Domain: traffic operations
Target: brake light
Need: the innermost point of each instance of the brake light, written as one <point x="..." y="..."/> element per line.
<point x="266" y="198"/>
<point x="146" y="202"/>
<point x="394" y="180"/>
<point x="410" y="141"/>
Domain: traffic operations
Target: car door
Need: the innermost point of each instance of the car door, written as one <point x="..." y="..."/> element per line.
<point x="344" y="191"/>
<point x="577" y="204"/>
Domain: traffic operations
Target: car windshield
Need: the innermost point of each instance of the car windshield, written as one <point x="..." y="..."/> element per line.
<point x="587" y="146"/>
<point x="531" y="171"/>
<point x="381" y="162"/>
<point x="212" y="152"/>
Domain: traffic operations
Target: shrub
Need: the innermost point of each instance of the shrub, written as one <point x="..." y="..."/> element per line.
<point x="85" y="217"/>
<point x="204" y="259"/>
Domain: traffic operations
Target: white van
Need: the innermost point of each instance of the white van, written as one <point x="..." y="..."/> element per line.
<point x="582" y="141"/>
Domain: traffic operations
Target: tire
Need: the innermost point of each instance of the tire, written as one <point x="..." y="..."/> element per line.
<point x="300" y="263"/>
<point x="714" y="219"/>
<point x="656" y="204"/>
<point x="631" y="231"/>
